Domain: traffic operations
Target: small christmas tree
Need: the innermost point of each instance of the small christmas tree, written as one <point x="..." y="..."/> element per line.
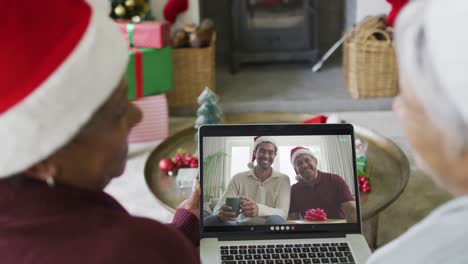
<point x="209" y="111"/>
<point x="136" y="10"/>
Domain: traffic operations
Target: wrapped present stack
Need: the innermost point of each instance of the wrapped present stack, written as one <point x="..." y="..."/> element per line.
<point x="149" y="76"/>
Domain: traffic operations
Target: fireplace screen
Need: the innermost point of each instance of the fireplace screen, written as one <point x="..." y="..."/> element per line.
<point x="273" y="30"/>
<point x="275" y="14"/>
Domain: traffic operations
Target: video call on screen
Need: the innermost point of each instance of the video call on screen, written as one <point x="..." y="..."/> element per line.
<point x="318" y="187"/>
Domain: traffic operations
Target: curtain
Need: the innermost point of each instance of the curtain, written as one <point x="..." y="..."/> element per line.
<point x="214" y="153"/>
<point x="337" y="158"/>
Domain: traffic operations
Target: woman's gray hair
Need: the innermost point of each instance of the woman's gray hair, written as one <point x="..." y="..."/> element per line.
<point x="431" y="40"/>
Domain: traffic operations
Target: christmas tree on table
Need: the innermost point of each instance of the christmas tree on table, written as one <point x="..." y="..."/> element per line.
<point x="136" y="10"/>
<point x="208" y="111"/>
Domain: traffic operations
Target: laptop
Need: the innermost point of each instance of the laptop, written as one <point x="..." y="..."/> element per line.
<point x="291" y="224"/>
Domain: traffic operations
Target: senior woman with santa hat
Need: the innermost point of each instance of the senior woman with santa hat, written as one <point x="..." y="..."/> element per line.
<point x="431" y="39"/>
<point x="64" y="122"/>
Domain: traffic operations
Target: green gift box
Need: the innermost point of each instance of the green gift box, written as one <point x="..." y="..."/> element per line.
<point x="149" y="72"/>
<point x="361" y="163"/>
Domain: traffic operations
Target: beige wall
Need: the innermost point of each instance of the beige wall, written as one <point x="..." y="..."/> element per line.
<point x="371" y="7"/>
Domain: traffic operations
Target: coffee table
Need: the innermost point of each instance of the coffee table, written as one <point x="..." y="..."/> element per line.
<point x="388" y="167"/>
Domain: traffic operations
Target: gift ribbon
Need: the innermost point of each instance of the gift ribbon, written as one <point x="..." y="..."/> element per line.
<point x="138" y="72"/>
<point x="130" y="29"/>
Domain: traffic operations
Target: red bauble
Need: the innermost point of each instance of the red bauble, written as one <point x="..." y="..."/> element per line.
<point x="194" y="163"/>
<point x="187" y="159"/>
<point x="166" y="165"/>
<point x="179" y="164"/>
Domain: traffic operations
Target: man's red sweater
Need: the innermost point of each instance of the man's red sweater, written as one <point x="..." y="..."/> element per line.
<point x="39" y="224"/>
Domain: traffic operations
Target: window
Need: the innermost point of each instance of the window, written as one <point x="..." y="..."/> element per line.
<point x="240" y="156"/>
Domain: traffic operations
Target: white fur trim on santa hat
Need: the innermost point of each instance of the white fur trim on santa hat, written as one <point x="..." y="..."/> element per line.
<point x="53" y="114"/>
<point x="258" y="141"/>
<point x="300" y="152"/>
<point x="262" y="139"/>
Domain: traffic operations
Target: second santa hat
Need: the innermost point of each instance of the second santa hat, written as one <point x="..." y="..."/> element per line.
<point x="295" y="152"/>
<point x="257" y="141"/>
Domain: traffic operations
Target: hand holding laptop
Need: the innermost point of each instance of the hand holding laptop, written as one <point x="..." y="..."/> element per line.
<point x="193" y="202"/>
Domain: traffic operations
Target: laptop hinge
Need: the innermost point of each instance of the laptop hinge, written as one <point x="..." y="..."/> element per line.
<point x="281" y="236"/>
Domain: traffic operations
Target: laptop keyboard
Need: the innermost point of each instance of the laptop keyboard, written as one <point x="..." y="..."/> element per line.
<point x="287" y="254"/>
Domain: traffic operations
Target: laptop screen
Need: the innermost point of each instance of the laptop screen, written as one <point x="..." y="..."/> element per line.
<point x="278" y="178"/>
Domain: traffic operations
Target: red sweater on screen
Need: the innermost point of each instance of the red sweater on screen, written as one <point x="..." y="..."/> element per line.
<point x="39" y="224"/>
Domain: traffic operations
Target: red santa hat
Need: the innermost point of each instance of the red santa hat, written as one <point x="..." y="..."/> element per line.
<point x="59" y="66"/>
<point x="257" y="141"/>
<point x="295" y="152"/>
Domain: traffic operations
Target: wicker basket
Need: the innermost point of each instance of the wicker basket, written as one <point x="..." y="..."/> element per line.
<point x="194" y="69"/>
<point x="369" y="63"/>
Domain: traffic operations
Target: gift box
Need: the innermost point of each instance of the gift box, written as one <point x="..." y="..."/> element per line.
<point x="149" y="72"/>
<point x="155" y="122"/>
<point x="153" y="34"/>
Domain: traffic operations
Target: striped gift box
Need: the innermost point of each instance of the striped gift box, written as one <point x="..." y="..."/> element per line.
<point x="155" y="122"/>
<point x="148" y="34"/>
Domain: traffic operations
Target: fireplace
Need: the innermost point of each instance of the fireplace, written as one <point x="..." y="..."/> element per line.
<point x="272" y="31"/>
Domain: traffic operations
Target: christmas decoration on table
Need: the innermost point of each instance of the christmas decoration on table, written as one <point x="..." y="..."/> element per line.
<point x="209" y="111"/>
<point x="193" y="36"/>
<point x="363" y="183"/>
<point x="173" y="8"/>
<point x="182" y="159"/>
<point x="361" y="163"/>
<point x="315" y="215"/>
<point x="134" y="10"/>
<point x="149" y="72"/>
<point x="148" y="34"/>
<point x="397" y="5"/>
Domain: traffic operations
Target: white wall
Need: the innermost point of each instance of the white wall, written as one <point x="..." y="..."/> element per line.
<point x="371" y="7"/>
<point x="192" y="15"/>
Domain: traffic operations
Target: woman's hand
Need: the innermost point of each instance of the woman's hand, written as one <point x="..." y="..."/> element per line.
<point x="193" y="203"/>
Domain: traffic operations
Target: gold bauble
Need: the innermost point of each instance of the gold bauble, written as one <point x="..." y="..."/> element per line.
<point x="130" y="3"/>
<point x="119" y="11"/>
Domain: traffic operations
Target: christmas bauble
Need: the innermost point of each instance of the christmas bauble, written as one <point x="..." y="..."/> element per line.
<point x="166" y="165"/>
<point x="194" y="163"/>
<point x="130" y="3"/>
<point x="119" y="11"/>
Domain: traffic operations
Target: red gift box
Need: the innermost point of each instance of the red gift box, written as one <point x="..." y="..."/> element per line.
<point x="153" y="34"/>
<point x="155" y="122"/>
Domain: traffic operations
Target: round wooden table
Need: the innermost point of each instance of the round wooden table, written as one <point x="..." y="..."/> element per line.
<point x="387" y="167"/>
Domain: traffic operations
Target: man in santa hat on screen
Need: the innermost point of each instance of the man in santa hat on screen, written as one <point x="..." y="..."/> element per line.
<point x="264" y="192"/>
<point x="317" y="189"/>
